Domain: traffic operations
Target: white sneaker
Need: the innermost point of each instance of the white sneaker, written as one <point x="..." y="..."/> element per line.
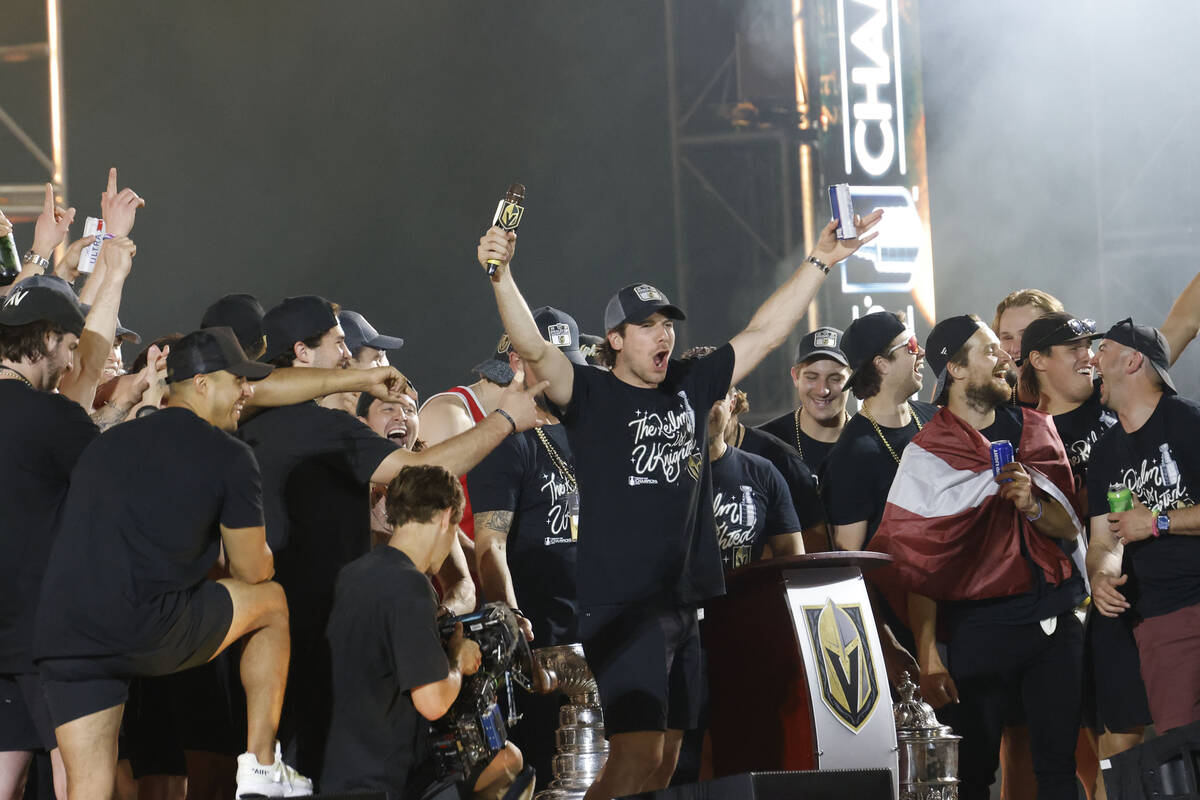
<point x="273" y="780"/>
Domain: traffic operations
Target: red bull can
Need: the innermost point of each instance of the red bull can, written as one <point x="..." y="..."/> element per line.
<point x="1002" y="453"/>
<point x="1120" y="498"/>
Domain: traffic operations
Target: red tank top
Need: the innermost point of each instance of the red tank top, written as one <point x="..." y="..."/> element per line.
<point x="476" y="411"/>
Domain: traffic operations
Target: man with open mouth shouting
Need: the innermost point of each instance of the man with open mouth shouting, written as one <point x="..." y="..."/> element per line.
<point x="648" y="550"/>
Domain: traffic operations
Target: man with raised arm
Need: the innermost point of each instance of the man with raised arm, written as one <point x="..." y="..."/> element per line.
<point x="647" y="542"/>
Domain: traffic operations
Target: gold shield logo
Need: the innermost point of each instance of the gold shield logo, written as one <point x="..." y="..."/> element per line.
<point x="845" y="665"/>
<point x="510" y="216"/>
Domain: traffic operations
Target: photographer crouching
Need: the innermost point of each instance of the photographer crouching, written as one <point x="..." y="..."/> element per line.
<point x="391" y="671"/>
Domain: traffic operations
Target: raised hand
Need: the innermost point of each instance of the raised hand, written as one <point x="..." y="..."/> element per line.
<point x="117" y="254"/>
<point x="5" y="225"/>
<point x="386" y="383"/>
<point x="68" y="266"/>
<point x="497" y="244"/>
<point x="830" y="249"/>
<point x="119" y="208"/>
<point x="51" y="226"/>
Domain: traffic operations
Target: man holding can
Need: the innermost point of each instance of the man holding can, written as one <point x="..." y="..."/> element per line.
<point x="977" y="545"/>
<point x="1151" y="454"/>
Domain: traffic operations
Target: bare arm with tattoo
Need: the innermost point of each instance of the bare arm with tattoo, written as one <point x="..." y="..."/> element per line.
<point x="491" y="559"/>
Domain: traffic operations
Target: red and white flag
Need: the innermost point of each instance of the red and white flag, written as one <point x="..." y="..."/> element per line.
<point x="952" y="535"/>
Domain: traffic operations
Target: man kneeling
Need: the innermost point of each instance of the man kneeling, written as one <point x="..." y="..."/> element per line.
<point x="390" y="670"/>
<point x="125" y="594"/>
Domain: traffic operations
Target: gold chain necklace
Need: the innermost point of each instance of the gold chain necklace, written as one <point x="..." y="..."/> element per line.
<point x="559" y="463"/>
<point x="879" y="430"/>
<point x="20" y="377"/>
<point x="799" y="449"/>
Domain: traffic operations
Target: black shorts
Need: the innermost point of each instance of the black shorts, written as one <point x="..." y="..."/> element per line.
<point x="199" y="618"/>
<point x="646" y="660"/>
<point x="1118" y="693"/>
<point x="18" y="731"/>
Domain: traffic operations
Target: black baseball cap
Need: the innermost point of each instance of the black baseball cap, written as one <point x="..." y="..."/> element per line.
<point x="557" y="327"/>
<point x="211" y="350"/>
<point x="243" y="313"/>
<point x="360" y="333"/>
<point x="866" y="337"/>
<point x="946" y="339"/>
<point x="822" y="343"/>
<point x="635" y="303"/>
<point x="26" y="304"/>
<point x="1057" y="327"/>
<point x="1148" y="341"/>
<point x="294" y="320"/>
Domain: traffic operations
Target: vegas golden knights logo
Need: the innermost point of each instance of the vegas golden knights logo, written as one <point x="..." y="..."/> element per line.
<point x="510" y="216"/>
<point x="845" y="665"/>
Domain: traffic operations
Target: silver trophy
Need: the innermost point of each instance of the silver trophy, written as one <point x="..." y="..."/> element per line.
<point x="928" y="749"/>
<point x="581" y="746"/>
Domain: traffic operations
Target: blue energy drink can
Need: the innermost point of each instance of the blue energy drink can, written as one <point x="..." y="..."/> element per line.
<point x="842" y="209"/>
<point x="1002" y="453"/>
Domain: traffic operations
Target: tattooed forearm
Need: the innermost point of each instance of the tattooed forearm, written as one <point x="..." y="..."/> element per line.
<point x="499" y="521"/>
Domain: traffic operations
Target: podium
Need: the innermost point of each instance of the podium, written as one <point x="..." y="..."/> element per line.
<point x="796" y="674"/>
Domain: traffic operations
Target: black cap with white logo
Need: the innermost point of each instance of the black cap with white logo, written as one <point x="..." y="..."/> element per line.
<point x="1148" y="341"/>
<point x="557" y="327"/>
<point x="636" y="303"/>
<point x="42" y="303"/>
<point x="211" y="350"/>
<point x="945" y="340"/>
<point x="821" y="343"/>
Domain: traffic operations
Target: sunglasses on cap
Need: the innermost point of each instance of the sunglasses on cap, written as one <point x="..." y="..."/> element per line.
<point x="1077" y="327"/>
<point x="914" y="347"/>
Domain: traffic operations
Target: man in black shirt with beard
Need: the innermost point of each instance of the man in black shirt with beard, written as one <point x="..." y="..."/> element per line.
<point x="647" y="547"/>
<point x="317" y="465"/>
<point x="526" y="506"/>
<point x="820" y="375"/>
<point x="1153" y="452"/>
<point x="40" y="441"/>
<point x="153" y="504"/>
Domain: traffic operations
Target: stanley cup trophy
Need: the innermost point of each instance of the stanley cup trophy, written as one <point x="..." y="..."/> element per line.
<point x="582" y="748"/>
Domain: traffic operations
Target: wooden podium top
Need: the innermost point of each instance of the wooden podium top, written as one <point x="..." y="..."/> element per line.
<point x="758" y="570"/>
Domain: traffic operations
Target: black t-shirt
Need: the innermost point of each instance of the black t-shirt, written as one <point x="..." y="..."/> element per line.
<point x="860" y="470"/>
<point x="801" y="483"/>
<point x="643" y="476"/>
<point x="141" y="523"/>
<point x="520" y="476"/>
<point x="1160" y="463"/>
<point x="41" y="437"/>
<point x="1042" y="600"/>
<point x="383" y="636"/>
<point x="815" y="453"/>
<point x="1080" y="429"/>
<point x="751" y="504"/>
<point x="316" y="465"/>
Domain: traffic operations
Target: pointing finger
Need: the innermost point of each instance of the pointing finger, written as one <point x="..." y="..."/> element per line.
<point x="112" y="181"/>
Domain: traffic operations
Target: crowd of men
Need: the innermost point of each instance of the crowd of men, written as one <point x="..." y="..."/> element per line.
<point x="222" y="570"/>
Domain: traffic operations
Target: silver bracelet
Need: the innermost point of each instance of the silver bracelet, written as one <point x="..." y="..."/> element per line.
<point x="1039" y="513"/>
<point x="818" y="263"/>
<point x="33" y="258"/>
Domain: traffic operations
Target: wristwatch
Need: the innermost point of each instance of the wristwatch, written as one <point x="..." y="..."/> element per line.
<point x="1162" y="524"/>
<point x="33" y="258"/>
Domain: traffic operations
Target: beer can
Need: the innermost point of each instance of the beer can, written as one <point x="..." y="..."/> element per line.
<point x="1002" y="453"/>
<point x="842" y="209"/>
<point x="1119" y="498"/>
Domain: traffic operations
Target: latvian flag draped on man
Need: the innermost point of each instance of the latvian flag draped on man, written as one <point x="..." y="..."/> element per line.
<point x="952" y="535"/>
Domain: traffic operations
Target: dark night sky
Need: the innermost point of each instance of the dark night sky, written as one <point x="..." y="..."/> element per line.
<point x="357" y="150"/>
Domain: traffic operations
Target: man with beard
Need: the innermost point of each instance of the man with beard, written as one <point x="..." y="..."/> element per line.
<point x="820" y="374"/>
<point x="527" y="516"/>
<point x="982" y="551"/>
<point x="1152" y="451"/>
<point x="317" y="465"/>
<point x="43" y="435"/>
<point x="886" y="360"/>
<point x="126" y="592"/>
<point x="647" y="550"/>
